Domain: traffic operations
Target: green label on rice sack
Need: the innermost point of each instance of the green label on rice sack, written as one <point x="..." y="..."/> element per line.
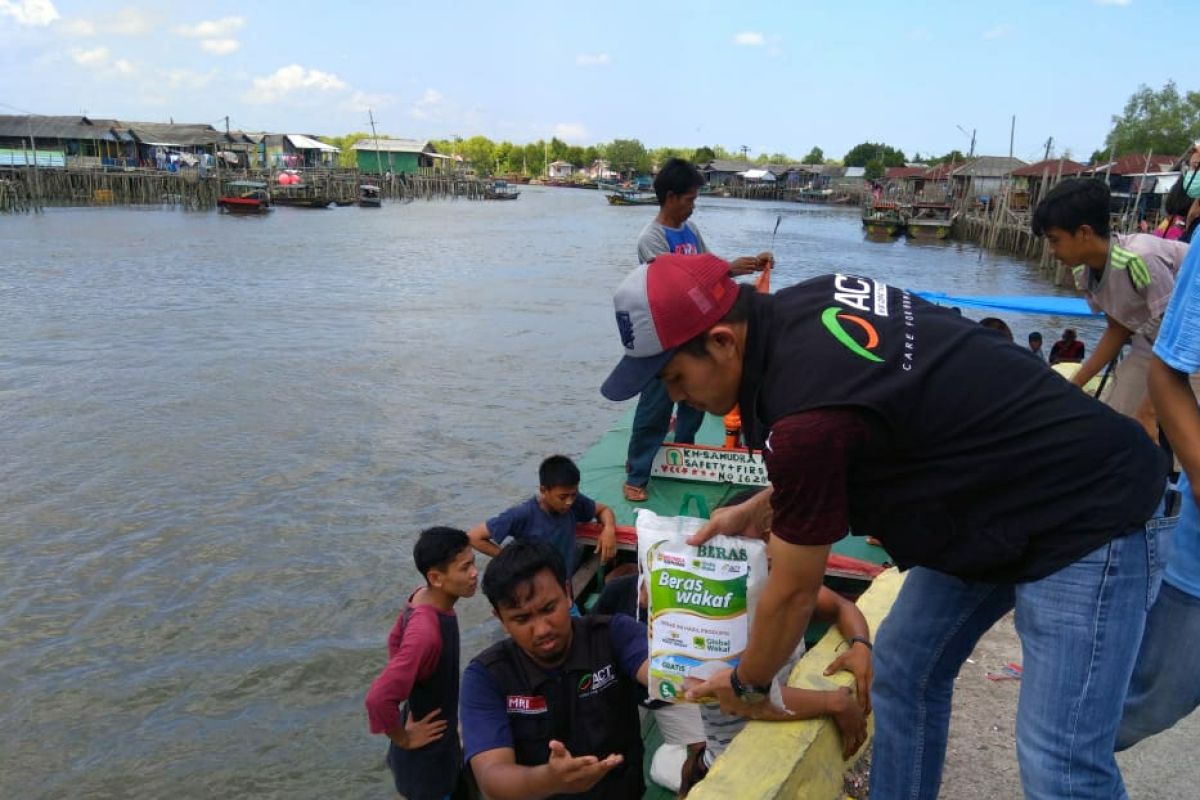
<point x="700" y="599"/>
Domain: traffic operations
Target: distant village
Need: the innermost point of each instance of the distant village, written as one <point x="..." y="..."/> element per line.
<point x="84" y="143"/>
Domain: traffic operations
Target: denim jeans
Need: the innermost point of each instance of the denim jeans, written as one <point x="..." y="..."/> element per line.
<point x="651" y="421"/>
<point x="1079" y="631"/>
<point x="1166" y="681"/>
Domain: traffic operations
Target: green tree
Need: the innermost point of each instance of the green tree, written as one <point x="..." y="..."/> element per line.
<point x="815" y="156"/>
<point x="862" y="154"/>
<point x="591" y="153"/>
<point x="481" y="152"/>
<point x="559" y="150"/>
<point x="1162" y="121"/>
<point x="628" y="156"/>
<point x="873" y="169"/>
<point x="703" y="155"/>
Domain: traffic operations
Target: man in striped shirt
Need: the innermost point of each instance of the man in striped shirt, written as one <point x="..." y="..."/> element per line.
<point x="1127" y="277"/>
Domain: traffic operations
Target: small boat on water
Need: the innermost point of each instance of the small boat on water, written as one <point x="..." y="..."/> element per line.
<point x="370" y="196"/>
<point x="929" y="221"/>
<point x="298" y="200"/>
<point x="882" y="220"/>
<point x="245" y="197"/>
<point x="632" y="197"/>
<point x="500" y="190"/>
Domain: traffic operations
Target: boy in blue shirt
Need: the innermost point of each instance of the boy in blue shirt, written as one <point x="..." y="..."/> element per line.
<point x="551" y="516"/>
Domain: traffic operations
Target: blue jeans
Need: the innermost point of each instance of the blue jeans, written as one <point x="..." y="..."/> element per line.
<point x="651" y="421"/>
<point x="1079" y="630"/>
<point x="1166" y="681"/>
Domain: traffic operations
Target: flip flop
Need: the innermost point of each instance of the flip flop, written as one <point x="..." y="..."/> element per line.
<point x="635" y="494"/>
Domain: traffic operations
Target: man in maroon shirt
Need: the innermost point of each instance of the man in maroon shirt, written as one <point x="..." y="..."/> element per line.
<point x="422" y="672"/>
<point x="878" y="411"/>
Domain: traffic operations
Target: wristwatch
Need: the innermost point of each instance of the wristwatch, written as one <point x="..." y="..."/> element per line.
<point x="748" y="693"/>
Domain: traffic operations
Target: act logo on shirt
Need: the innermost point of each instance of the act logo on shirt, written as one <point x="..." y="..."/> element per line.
<point x="859" y="294"/>
<point x="526" y="704"/>
<point x="594" y="682"/>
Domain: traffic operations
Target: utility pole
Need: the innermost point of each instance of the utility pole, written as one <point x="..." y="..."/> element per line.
<point x="375" y="136"/>
<point x="744" y="150"/>
<point x="1049" y="145"/>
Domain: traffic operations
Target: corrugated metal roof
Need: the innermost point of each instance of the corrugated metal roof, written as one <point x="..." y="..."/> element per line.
<point x="1049" y="167"/>
<point x="900" y="173"/>
<point x="392" y="145"/>
<point x="726" y="165"/>
<point x="302" y="142"/>
<point x="989" y="167"/>
<point x="942" y="171"/>
<point x="57" y="127"/>
<point x="1133" y="163"/>
<point x="166" y="134"/>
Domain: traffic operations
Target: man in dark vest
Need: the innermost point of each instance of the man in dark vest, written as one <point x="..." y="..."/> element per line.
<point x="553" y="709"/>
<point x="422" y="671"/>
<point x="994" y="482"/>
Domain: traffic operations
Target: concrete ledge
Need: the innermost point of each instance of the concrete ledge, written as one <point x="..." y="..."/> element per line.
<point x="804" y="758"/>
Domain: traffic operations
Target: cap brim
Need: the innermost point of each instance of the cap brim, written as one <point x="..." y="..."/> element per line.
<point x="632" y="375"/>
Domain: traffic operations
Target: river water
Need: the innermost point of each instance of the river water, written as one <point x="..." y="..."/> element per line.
<point x="220" y="435"/>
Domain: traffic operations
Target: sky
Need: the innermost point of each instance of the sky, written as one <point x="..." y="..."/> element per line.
<point x="773" y="77"/>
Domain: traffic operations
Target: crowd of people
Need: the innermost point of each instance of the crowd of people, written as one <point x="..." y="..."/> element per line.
<point x="876" y="412"/>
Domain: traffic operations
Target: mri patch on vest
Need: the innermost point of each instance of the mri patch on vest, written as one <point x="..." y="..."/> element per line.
<point x="526" y="704"/>
<point x="700" y="600"/>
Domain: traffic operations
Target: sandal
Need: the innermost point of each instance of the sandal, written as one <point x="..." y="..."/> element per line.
<point x="635" y="494"/>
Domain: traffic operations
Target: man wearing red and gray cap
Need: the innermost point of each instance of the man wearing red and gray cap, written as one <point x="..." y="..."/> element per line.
<point x="992" y="481"/>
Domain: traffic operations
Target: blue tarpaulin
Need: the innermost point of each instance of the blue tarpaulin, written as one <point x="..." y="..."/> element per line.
<point x="1060" y="306"/>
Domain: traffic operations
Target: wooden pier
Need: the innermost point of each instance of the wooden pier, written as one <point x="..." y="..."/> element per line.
<point x="29" y="189"/>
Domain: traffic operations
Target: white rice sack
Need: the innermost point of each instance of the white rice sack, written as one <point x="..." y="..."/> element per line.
<point x="701" y="600"/>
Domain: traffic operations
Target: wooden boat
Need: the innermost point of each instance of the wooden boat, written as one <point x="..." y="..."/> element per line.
<point x="632" y="197"/>
<point x="370" y="196"/>
<point x="245" y="197"/>
<point x="500" y="190"/>
<point x="882" y="220"/>
<point x="692" y="480"/>
<point x="303" y="201"/>
<point x="929" y="221"/>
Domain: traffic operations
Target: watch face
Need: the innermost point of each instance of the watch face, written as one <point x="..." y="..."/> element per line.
<point x="752" y="696"/>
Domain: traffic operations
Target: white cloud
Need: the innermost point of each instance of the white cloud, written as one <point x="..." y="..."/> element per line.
<point x="291" y="78"/>
<point x="212" y="29"/>
<point x="998" y="32"/>
<point x="570" y="131"/>
<point x="95" y="57"/>
<point x="29" y="12"/>
<point x="430" y="105"/>
<point x="593" y="59"/>
<point x="124" y="22"/>
<point x="99" y="60"/>
<point x="361" y="101"/>
<point x="1113" y="2"/>
<point x="189" y="78"/>
<point x="219" y="47"/>
<point x="749" y="39"/>
<point x="919" y="35"/>
<point x="128" y="22"/>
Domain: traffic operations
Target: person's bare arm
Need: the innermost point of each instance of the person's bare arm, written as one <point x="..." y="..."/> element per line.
<point x="1179" y="417"/>
<point x="1114" y="337"/>
<point x="856" y="658"/>
<point x="481" y="540"/>
<point x="607" y="545"/>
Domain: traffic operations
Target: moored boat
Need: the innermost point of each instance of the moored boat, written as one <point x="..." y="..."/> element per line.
<point x="370" y="196"/>
<point x="929" y="221"/>
<point x="245" y="197"/>
<point x="882" y="220"/>
<point x="632" y="197"/>
<point x="500" y="190"/>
